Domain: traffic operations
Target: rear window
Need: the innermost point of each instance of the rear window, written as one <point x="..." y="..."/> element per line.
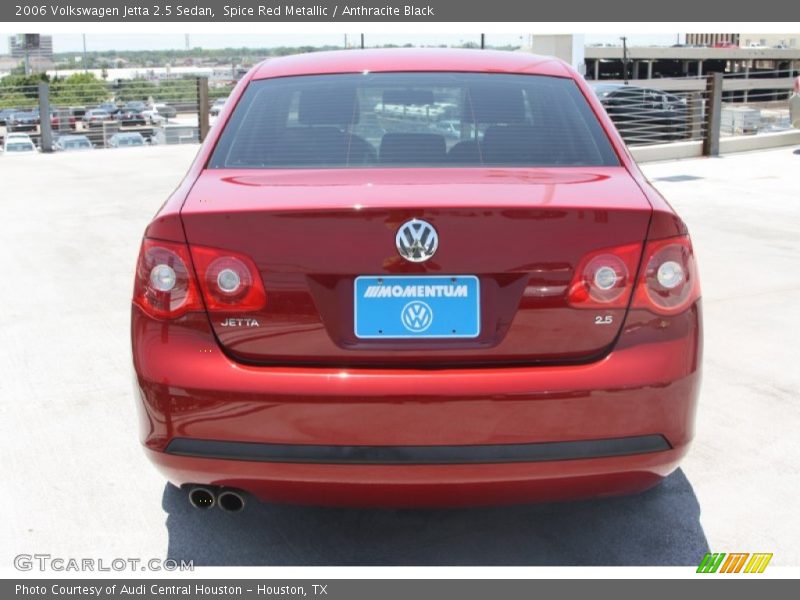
<point x="412" y="120"/>
<point x="19" y="147"/>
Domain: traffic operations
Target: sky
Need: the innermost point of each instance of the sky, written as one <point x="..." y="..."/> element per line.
<point x="166" y="41"/>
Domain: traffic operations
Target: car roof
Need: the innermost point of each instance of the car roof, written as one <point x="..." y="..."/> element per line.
<point x="411" y="59"/>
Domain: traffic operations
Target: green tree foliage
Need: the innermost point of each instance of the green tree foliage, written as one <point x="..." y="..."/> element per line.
<point x="78" y="89"/>
<point x="22" y="91"/>
<point x="134" y="89"/>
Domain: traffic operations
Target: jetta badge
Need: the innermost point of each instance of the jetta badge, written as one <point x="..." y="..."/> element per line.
<point x="416" y="240"/>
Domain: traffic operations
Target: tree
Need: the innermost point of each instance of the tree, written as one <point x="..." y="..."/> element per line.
<point x="135" y="89"/>
<point x="78" y="89"/>
<point x="20" y="91"/>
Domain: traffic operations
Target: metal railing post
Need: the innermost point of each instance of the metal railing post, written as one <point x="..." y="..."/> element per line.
<point x="713" y="114"/>
<point x="45" y="130"/>
<point x="202" y="106"/>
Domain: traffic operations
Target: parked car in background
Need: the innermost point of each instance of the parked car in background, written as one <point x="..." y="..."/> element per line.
<point x="23" y="121"/>
<point x="77" y="111"/>
<point x="109" y="107"/>
<point x="510" y="316"/>
<point x="126" y="138"/>
<point x="95" y="117"/>
<point x="129" y="117"/>
<point x="159" y="113"/>
<point x="135" y="106"/>
<point x="217" y="106"/>
<point x="644" y="115"/>
<point x="62" y="119"/>
<point x="70" y="143"/>
<point x="6" y="113"/>
<point x="19" y="145"/>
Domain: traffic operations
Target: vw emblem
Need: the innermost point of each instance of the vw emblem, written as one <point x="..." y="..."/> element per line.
<point x="416" y="316"/>
<point x="416" y="240"/>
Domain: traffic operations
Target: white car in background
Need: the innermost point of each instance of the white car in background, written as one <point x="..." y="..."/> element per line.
<point x="73" y="143"/>
<point x="159" y="113"/>
<point x="18" y="136"/>
<point x="125" y="139"/>
<point x="19" y="144"/>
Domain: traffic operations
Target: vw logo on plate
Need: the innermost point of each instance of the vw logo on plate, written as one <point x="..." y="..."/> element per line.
<point x="416" y="240"/>
<point x="416" y="316"/>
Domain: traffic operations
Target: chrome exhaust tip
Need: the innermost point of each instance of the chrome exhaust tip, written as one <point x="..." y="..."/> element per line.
<point x="202" y="498"/>
<point x="230" y="501"/>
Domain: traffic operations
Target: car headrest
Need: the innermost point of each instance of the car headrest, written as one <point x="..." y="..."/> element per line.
<point x="328" y="105"/>
<point x="490" y="104"/>
<point x="410" y="148"/>
<point x="517" y="144"/>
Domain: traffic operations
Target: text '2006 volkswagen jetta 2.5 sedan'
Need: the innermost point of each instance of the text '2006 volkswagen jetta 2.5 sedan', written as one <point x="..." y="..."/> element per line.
<point x="346" y="302"/>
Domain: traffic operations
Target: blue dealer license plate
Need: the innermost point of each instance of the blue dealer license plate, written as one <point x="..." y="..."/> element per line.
<point x="417" y="307"/>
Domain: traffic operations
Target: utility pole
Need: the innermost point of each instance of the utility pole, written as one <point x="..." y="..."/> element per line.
<point x="362" y="41"/>
<point x="624" y="58"/>
<point x="483" y="41"/>
<point x="85" y="67"/>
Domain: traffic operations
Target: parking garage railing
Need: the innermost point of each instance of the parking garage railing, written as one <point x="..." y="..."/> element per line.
<point x="646" y="112"/>
<point x="706" y="109"/>
<point x="170" y="111"/>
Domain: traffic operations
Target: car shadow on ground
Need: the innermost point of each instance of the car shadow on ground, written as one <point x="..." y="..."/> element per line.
<point x="658" y="527"/>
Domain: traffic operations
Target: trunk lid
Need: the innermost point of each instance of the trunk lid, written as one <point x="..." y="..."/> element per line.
<point x="520" y="232"/>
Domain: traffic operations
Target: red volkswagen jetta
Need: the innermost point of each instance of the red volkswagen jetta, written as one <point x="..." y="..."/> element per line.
<point x="410" y="278"/>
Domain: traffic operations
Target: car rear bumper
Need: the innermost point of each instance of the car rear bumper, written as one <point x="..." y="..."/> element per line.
<point x="418" y="437"/>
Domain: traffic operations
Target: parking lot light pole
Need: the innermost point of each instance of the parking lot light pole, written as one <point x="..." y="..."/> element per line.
<point x="624" y="59"/>
<point x="46" y="137"/>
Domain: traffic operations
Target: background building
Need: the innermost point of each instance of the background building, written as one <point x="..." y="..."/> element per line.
<point x="709" y="39"/>
<point x="746" y="40"/>
<point x="35" y="48"/>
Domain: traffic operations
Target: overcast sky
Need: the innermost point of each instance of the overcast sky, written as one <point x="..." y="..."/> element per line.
<point x="97" y="42"/>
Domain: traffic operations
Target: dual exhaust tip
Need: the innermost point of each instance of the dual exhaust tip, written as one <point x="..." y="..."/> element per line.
<point x="204" y="498"/>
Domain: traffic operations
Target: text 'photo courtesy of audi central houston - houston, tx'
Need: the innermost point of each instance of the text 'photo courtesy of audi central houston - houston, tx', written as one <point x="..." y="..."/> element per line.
<point x="415" y="278"/>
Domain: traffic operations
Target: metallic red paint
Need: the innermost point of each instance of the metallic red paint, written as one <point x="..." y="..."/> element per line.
<point x="639" y="378"/>
<point x="538" y="222"/>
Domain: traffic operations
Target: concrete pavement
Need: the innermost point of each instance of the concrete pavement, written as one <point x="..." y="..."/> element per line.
<point x="78" y="485"/>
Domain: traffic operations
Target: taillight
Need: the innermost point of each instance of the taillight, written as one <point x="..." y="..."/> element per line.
<point x="604" y="279"/>
<point x="164" y="285"/>
<point x="229" y="281"/>
<point x="668" y="282"/>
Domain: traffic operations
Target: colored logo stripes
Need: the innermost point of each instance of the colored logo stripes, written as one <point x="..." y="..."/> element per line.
<point x="734" y="562"/>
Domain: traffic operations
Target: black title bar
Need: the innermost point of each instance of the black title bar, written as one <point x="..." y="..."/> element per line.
<point x="221" y="11"/>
